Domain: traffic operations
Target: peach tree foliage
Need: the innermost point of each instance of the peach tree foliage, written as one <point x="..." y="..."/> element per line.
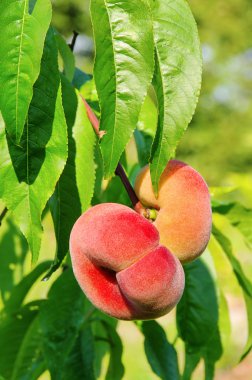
<point x="52" y="161"/>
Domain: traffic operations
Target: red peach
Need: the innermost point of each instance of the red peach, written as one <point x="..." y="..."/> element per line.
<point x="120" y="266"/>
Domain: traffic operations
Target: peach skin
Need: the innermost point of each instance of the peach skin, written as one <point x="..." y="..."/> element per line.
<point x="120" y="266"/>
<point x="184" y="216"/>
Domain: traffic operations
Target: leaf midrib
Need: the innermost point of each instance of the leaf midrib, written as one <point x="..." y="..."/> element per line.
<point x="19" y="64"/>
<point x="113" y="48"/>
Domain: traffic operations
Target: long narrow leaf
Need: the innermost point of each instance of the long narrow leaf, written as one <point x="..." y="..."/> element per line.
<point x="177" y="78"/>
<point x="29" y="171"/>
<point x="20" y="55"/>
<point x="125" y="57"/>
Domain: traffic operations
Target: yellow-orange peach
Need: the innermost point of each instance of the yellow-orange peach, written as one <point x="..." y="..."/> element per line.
<point x="184" y="216"/>
<point x="120" y="266"/>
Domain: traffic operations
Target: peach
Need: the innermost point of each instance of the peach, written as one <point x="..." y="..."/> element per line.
<point x="184" y="217"/>
<point x="120" y="266"/>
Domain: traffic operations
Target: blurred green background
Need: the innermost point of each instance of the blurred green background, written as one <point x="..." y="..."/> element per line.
<point x="218" y="143"/>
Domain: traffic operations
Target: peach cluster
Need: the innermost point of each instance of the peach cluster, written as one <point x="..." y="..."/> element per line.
<point x="130" y="267"/>
<point x="120" y="266"/>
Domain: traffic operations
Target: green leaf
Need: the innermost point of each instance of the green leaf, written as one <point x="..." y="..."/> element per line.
<point x="29" y="364"/>
<point x="125" y="57"/>
<point x="115" y="369"/>
<point x="192" y="359"/>
<point x="13" y="248"/>
<point x="80" y="362"/>
<point x="244" y="282"/>
<point x="67" y="57"/>
<point x="80" y="78"/>
<point x="65" y="204"/>
<point x="239" y="216"/>
<point x="177" y="78"/>
<point x="20" y="291"/>
<point x="211" y="353"/>
<point x="226" y="245"/>
<point x="161" y="355"/>
<point x="197" y="315"/>
<point x="13" y="329"/>
<point x="147" y="122"/>
<point x="101" y="345"/>
<point x="20" y="55"/>
<point x="248" y="347"/>
<point x="85" y="141"/>
<point x="61" y="318"/>
<point x="31" y="169"/>
<point x="143" y="145"/>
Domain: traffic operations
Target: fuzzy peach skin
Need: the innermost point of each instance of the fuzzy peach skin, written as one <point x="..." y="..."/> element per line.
<point x="120" y="266"/>
<point x="184" y="218"/>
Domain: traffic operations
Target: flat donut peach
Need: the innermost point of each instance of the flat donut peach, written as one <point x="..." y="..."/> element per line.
<point x="120" y="266"/>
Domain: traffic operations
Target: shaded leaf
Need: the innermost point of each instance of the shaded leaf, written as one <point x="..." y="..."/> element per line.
<point x="80" y="78"/>
<point x="80" y="362"/>
<point x="60" y="319"/>
<point x="65" y="204"/>
<point x="20" y="291"/>
<point x="29" y="364"/>
<point x="143" y="144"/>
<point x="161" y="355"/>
<point x="13" y="251"/>
<point x="115" y="369"/>
<point x="31" y="169"/>
<point x="211" y="353"/>
<point x="125" y="57"/>
<point x="177" y="78"/>
<point x="20" y="55"/>
<point x="13" y="329"/>
<point x="192" y="359"/>
<point x="197" y="315"/>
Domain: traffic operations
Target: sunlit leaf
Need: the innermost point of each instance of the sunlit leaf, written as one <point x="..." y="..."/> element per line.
<point x="239" y="216"/>
<point x="125" y="57"/>
<point x="30" y="170"/>
<point x="85" y="141"/>
<point x="226" y="245"/>
<point x="67" y="57"/>
<point x="177" y="77"/>
<point x="20" y="55"/>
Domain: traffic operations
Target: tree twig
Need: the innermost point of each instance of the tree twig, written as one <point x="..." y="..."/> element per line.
<point x="119" y="169"/>
<point x="72" y="43"/>
<point x="2" y="215"/>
